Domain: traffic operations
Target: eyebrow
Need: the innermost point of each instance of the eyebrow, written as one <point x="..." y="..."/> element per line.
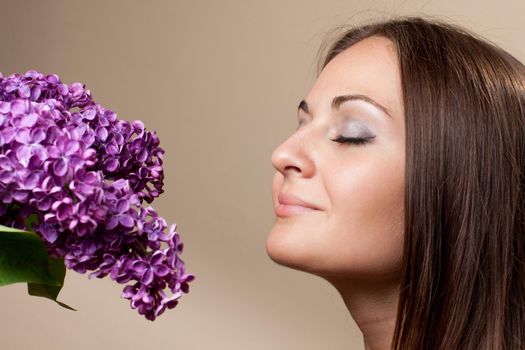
<point x="338" y="100"/>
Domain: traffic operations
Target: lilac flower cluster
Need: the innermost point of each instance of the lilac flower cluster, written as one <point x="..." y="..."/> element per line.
<point x="82" y="176"/>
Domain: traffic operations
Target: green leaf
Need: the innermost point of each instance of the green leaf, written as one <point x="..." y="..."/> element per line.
<point x="24" y="258"/>
<point x="57" y="269"/>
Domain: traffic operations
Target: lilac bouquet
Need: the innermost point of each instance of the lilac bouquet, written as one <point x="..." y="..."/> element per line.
<point x="77" y="177"/>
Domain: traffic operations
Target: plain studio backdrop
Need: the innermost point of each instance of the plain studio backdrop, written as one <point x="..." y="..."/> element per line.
<point x="220" y="82"/>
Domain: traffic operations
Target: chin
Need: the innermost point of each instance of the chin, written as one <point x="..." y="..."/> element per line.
<point x="288" y="252"/>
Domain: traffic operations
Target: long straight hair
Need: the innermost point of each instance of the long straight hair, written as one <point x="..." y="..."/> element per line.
<point x="463" y="277"/>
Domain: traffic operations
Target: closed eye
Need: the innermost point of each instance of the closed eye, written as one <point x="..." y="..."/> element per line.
<point x="358" y="141"/>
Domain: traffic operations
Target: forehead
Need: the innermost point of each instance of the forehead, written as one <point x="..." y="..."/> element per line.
<point x="369" y="67"/>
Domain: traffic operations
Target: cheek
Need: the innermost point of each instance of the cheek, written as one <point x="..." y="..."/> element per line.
<point x="365" y="224"/>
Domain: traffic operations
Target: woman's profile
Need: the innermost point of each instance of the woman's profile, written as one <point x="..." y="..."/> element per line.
<point x="403" y="186"/>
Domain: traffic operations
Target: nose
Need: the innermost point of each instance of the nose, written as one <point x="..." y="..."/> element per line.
<point x="294" y="156"/>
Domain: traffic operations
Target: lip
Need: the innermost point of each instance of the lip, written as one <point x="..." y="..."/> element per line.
<point x="290" y="204"/>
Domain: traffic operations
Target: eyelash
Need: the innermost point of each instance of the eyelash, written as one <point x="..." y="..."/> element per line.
<point x="357" y="141"/>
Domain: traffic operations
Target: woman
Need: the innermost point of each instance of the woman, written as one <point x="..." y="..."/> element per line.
<point x="403" y="186"/>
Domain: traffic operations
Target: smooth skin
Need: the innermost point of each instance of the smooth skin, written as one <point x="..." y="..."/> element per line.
<point x="355" y="241"/>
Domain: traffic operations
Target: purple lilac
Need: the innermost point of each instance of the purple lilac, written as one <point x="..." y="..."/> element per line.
<point x="85" y="175"/>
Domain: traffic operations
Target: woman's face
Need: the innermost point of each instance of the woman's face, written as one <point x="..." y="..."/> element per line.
<point x="358" y="188"/>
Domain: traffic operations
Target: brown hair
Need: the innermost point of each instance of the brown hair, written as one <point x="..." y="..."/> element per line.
<point x="463" y="278"/>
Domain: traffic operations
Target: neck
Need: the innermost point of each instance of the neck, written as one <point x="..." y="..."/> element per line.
<point x="373" y="306"/>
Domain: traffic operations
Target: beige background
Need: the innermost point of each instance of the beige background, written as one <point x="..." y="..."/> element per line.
<point x="220" y="82"/>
